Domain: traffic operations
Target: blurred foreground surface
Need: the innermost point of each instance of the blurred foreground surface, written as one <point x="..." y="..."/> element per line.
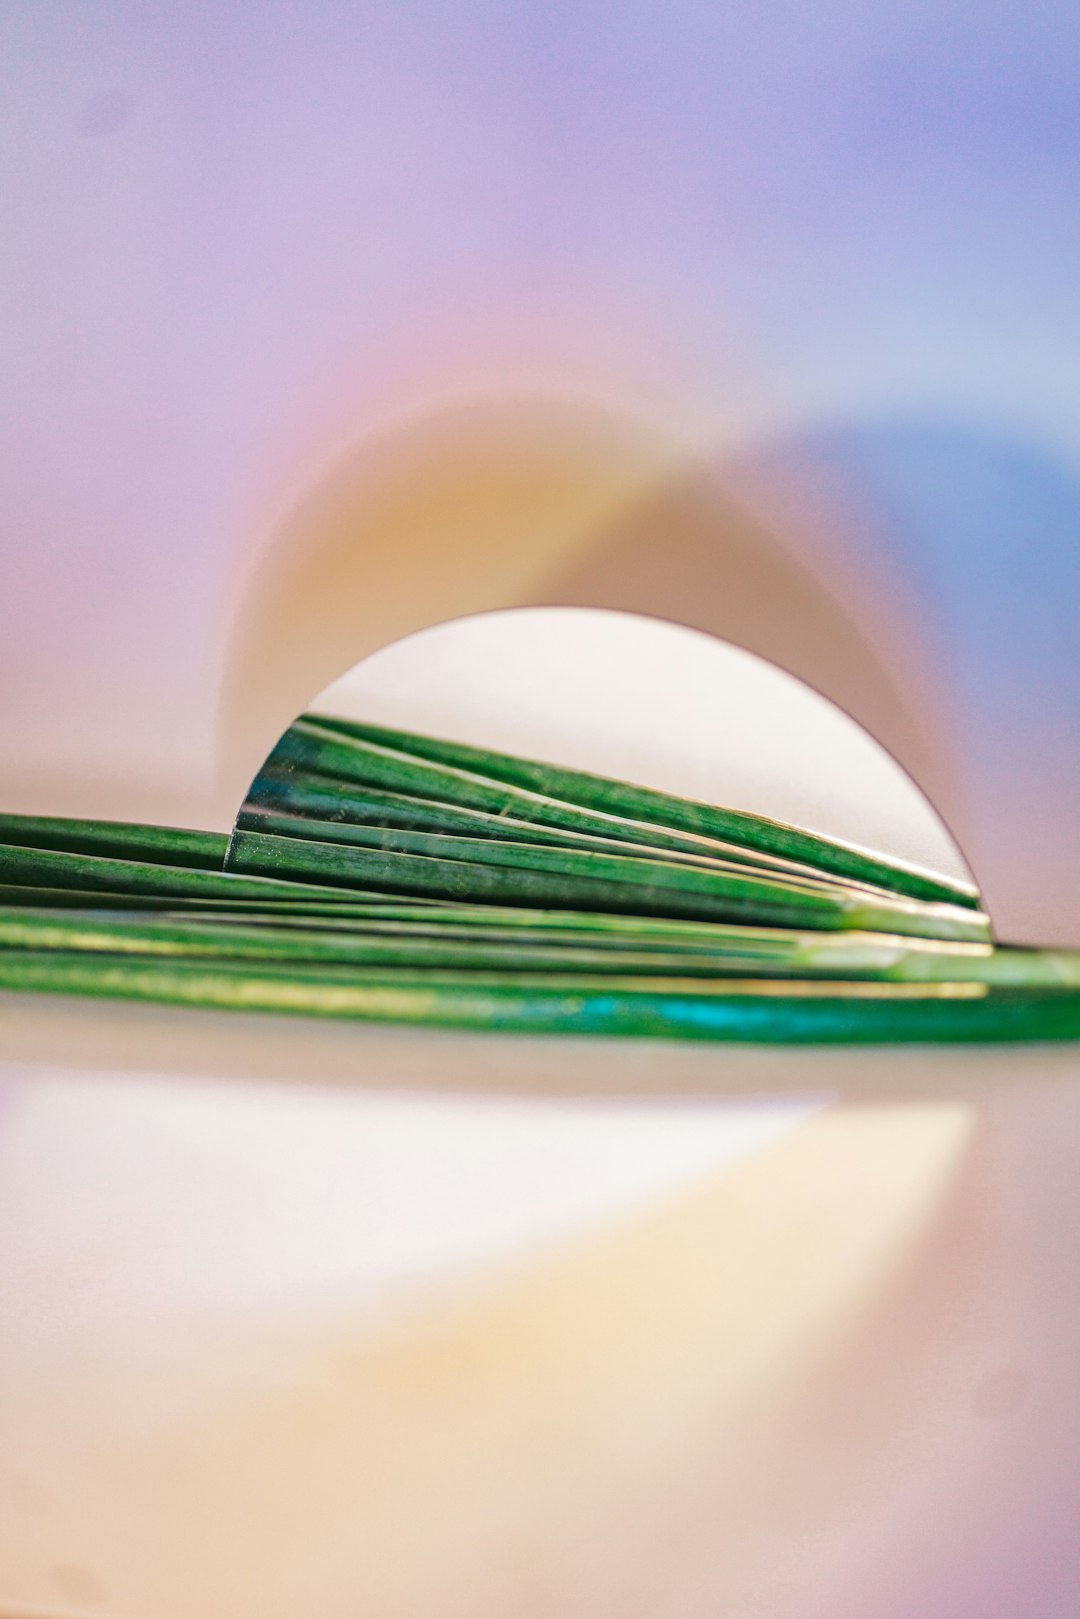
<point x="419" y="1326"/>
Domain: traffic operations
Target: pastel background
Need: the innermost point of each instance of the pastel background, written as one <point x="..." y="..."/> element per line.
<point x="326" y="323"/>
<point x="263" y="261"/>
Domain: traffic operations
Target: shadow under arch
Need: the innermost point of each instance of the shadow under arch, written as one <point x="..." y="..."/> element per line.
<point x="468" y="509"/>
<point x="528" y="503"/>
<point x="506" y="503"/>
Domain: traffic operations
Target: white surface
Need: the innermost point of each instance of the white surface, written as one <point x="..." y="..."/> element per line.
<point x="327" y="1319"/>
<point x="269" y="1204"/>
<point x="654" y="703"/>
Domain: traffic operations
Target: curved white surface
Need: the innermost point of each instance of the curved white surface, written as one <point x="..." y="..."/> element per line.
<point x="319" y="1318"/>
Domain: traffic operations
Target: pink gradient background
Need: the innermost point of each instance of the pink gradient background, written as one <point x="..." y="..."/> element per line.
<point x="240" y="240"/>
<point x="766" y="317"/>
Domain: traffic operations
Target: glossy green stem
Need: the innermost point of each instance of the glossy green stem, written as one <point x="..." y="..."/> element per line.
<point x="304" y="796"/>
<point x="119" y="840"/>
<point x="429" y="940"/>
<point x="650" y="807"/>
<point x="310" y="745"/>
<point x="29" y="867"/>
<point x="593" y="882"/>
<point x="742" y="1011"/>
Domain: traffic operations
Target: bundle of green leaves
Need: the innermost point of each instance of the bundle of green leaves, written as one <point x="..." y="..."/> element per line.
<point x="379" y="874"/>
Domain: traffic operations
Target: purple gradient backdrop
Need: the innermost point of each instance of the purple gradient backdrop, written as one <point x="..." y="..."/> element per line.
<point x="239" y="237"/>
